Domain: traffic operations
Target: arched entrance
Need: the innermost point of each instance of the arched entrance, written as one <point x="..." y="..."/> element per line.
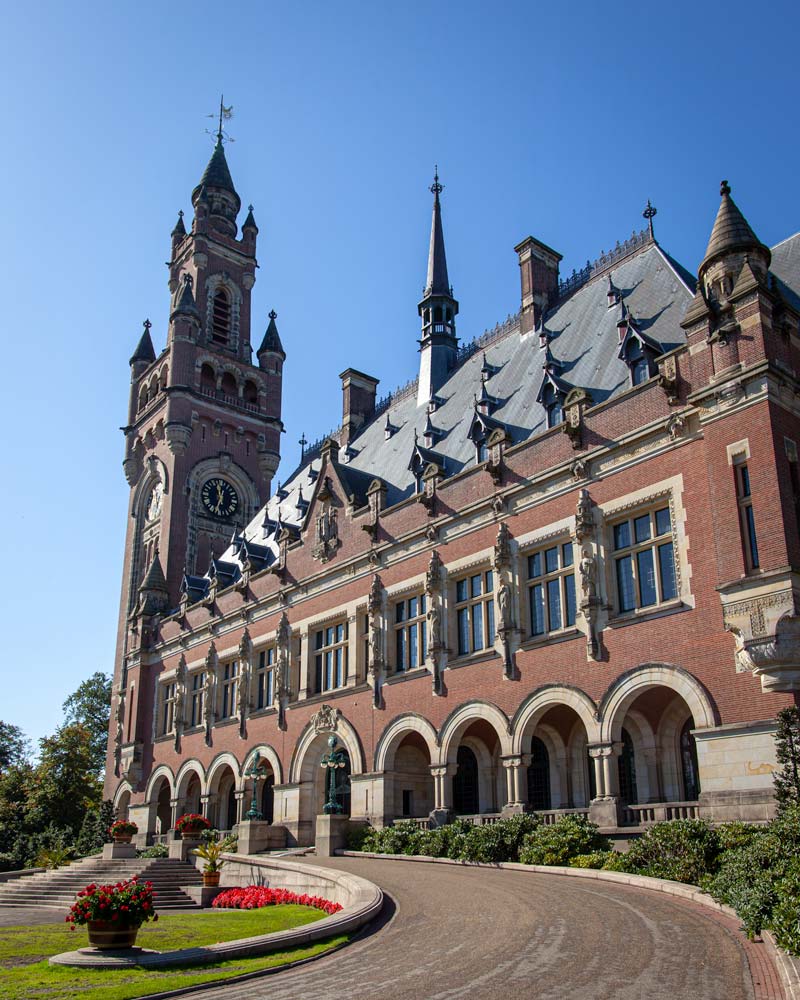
<point x="649" y="717"/>
<point x="466" y="800"/>
<point x="163" y="808"/>
<point x="539" y="776"/>
<point x="122" y="806"/>
<point x="404" y="755"/>
<point x="311" y="777"/>
<point x="225" y="811"/>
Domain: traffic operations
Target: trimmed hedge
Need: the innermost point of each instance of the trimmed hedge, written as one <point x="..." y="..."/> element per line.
<point x="565" y="839"/>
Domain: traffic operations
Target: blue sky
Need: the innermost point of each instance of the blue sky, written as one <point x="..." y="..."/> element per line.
<point x="557" y="122"/>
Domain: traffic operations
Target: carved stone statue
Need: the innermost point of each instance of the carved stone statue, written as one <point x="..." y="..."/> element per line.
<point x="584" y="521"/>
<point x="327" y="533"/>
<point x="433" y="576"/>
<point x="326" y="719"/>
<point x="588" y="571"/>
<point x="502" y="547"/>
<point x="434" y="619"/>
<point x="504" y="605"/>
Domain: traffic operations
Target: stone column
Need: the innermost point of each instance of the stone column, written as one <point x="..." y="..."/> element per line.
<point x="175" y="807"/>
<point x="240" y="804"/>
<point x="443" y="792"/>
<point x="515" y="803"/>
<point x="207" y="802"/>
<point x="603" y="809"/>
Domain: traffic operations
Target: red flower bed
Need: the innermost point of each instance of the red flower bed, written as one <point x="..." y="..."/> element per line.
<point x="256" y="896"/>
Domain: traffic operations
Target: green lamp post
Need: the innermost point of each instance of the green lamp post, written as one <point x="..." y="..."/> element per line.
<point x="257" y="772"/>
<point x="334" y="760"/>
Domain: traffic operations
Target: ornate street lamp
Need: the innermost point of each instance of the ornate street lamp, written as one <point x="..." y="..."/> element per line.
<point x="257" y="772"/>
<point x="333" y="761"/>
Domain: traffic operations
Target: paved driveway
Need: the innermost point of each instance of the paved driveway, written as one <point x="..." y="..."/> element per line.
<point x="488" y="933"/>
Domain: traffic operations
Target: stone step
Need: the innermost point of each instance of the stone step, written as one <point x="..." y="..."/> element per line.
<point x="59" y="888"/>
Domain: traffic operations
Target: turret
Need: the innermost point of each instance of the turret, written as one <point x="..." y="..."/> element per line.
<point x="271" y="347"/>
<point x="732" y="243"/>
<point x="438" y="310"/>
<point x="216" y="194"/>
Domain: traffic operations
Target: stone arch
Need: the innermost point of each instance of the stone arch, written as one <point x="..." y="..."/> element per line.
<point x="668" y="741"/>
<point x="215" y="768"/>
<point x="301" y="766"/>
<point x="267" y="753"/>
<point x="545" y="698"/>
<point x="644" y="745"/>
<point x="393" y="734"/>
<point x="122" y="798"/>
<point x="221" y="282"/>
<point x="625" y="689"/>
<point x="188" y="769"/>
<point x="460" y="720"/>
<point x="154" y="781"/>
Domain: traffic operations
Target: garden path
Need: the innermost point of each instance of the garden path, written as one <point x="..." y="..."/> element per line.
<point x="488" y="933"/>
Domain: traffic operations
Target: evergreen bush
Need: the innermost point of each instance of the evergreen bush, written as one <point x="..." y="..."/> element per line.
<point x="787" y="753"/>
<point x="683" y="850"/>
<point x="563" y="840"/>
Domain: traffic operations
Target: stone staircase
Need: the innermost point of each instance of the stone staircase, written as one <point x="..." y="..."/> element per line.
<point x="60" y="887"/>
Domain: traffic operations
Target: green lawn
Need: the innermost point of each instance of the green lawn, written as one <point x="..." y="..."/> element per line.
<point x="25" y="972"/>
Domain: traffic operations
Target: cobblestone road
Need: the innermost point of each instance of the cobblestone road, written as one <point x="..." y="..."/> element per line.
<point x="487" y="933"/>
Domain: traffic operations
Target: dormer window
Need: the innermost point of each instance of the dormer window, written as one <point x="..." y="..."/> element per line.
<point x="221" y="317"/>
<point x="636" y="358"/>
<point x="553" y="406"/>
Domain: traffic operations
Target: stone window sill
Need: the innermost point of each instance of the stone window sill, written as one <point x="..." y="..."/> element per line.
<point x="482" y="656"/>
<point x="564" y="635"/>
<point x="646" y="614"/>
<point x="261" y="713"/>
<point x="407" y="675"/>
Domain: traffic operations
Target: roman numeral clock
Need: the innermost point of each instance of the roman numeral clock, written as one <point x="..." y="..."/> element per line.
<point x="219" y="498"/>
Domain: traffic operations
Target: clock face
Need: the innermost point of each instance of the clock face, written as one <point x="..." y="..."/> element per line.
<point x="155" y="502"/>
<point x="219" y="498"/>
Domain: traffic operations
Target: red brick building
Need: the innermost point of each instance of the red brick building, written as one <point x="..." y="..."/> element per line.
<point x="558" y="571"/>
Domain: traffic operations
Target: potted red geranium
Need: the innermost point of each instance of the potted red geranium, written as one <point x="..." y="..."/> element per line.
<point x="113" y="914"/>
<point x="191" y="825"/>
<point x="122" y="831"/>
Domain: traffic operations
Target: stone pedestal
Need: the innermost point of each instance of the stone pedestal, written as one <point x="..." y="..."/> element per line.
<point x="512" y="809"/>
<point x="203" y="895"/>
<point x="181" y="850"/>
<point x="256" y="835"/>
<point x="604" y="812"/>
<point x="331" y="834"/>
<point x="113" y="852"/>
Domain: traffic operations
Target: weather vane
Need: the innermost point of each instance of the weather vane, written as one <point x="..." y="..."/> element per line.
<point x="648" y="214"/>
<point x="224" y="115"/>
<point x="436" y="187"/>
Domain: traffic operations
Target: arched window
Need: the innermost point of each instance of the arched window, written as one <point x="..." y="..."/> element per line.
<point x="228" y="384"/>
<point x="539" y="776"/>
<point x="250" y="392"/>
<point x="221" y="317"/>
<point x="268" y="799"/>
<point x="637" y="362"/>
<point x="208" y="379"/>
<point x="552" y="406"/>
<point x="465" y="783"/>
<point x="626" y="763"/>
<point x="689" y="768"/>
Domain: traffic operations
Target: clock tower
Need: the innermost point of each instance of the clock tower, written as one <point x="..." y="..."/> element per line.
<point x="202" y="441"/>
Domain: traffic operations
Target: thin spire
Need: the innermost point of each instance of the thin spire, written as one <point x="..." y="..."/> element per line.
<point x="144" y="349"/>
<point x="437" y="283"/>
<point x="731" y="231"/>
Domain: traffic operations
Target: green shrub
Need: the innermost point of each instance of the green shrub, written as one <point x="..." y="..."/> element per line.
<point x="757" y="879"/>
<point x="683" y="850"/>
<point x="610" y="861"/>
<point x="785" y="919"/>
<point x="445" y="841"/>
<point x="497" y="842"/>
<point x="733" y="836"/>
<point x="156" y="851"/>
<point x="563" y="840"/>
<point x="356" y="836"/>
<point x="402" y="838"/>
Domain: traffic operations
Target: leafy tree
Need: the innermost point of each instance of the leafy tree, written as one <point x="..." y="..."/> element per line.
<point x="14" y="747"/>
<point x="90" y="706"/>
<point x="65" y="782"/>
<point x="94" y="830"/>
<point x="787" y="752"/>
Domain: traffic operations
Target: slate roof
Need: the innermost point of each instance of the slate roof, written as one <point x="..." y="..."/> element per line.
<point x="582" y="341"/>
<point x="731" y="230"/>
<point x="217" y="175"/>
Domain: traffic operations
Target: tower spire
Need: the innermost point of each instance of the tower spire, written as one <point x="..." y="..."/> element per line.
<point x="437" y="283"/>
<point x="438" y="310"/>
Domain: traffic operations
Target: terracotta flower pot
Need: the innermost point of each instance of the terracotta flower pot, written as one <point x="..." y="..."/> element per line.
<point x="211" y="878"/>
<point x="108" y="934"/>
<point x="123" y="838"/>
<point x="191" y="834"/>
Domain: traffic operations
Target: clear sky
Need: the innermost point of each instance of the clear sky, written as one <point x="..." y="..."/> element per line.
<point x="556" y="120"/>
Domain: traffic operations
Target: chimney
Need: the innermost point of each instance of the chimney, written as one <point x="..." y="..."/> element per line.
<point x="358" y="402"/>
<point x="538" y="270"/>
